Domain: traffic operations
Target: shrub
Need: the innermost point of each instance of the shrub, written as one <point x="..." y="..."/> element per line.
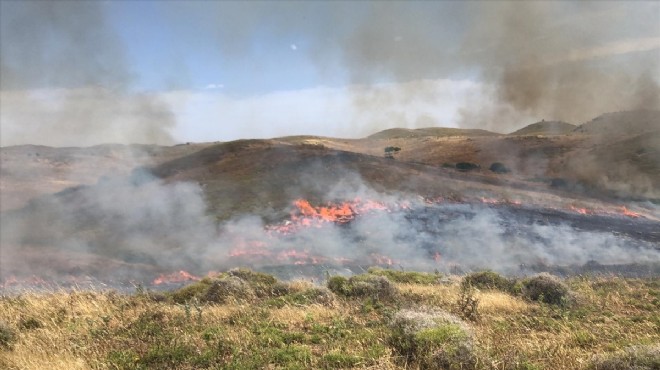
<point x="261" y="283"/>
<point x="363" y="286"/>
<point x="433" y="340"/>
<point x="468" y="304"/>
<point x="466" y="166"/>
<point x="546" y="288"/>
<point x="406" y="277"/>
<point x="635" y="357"/>
<point x="371" y="286"/>
<point x="498" y="167"/>
<point x="190" y="292"/>
<point x="338" y="285"/>
<point x="7" y="335"/>
<point x="30" y="323"/>
<point x="488" y="280"/>
<point x="230" y="287"/>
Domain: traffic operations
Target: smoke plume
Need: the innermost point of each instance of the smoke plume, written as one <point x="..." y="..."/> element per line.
<point x="65" y="80"/>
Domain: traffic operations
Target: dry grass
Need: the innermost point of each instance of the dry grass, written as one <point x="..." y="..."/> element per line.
<point x="106" y="330"/>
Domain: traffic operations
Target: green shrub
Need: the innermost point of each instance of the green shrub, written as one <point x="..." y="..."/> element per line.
<point x="466" y="166"/>
<point x="189" y="292"/>
<point x="222" y="289"/>
<point x="339" y="361"/>
<point x="635" y="357"/>
<point x="30" y="323"/>
<point x="546" y="288"/>
<point x="363" y="286"/>
<point x="433" y="340"/>
<point x="261" y="283"/>
<point x="498" y="167"/>
<point x="7" y="335"/>
<point x="371" y="286"/>
<point x="406" y="277"/>
<point x="338" y="285"/>
<point x="488" y="280"/>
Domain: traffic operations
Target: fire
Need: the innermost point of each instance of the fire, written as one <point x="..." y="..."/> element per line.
<point x="379" y="259"/>
<point x="175" y="277"/>
<point x="306" y="215"/>
<point x="582" y="211"/>
<point x="629" y="213"/>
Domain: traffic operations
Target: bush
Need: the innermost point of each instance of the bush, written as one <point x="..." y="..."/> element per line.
<point x="371" y="286"/>
<point x="261" y="283"/>
<point x="466" y="166"/>
<point x="338" y="285"/>
<point x="7" y="335"/>
<point x="406" y="277"/>
<point x="363" y="286"/>
<point x="488" y="280"/>
<point x="237" y="283"/>
<point x="230" y="287"/>
<point x="635" y="357"/>
<point x="546" y="288"/>
<point x="498" y="167"/>
<point x="315" y="295"/>
<point x="30" y="323"/>
<point x="433" y="340"/>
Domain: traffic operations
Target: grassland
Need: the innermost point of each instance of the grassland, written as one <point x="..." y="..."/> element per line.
<point x="380" y="320"/>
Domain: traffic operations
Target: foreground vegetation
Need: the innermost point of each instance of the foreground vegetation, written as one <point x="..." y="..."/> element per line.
<point x="383" y="319"/>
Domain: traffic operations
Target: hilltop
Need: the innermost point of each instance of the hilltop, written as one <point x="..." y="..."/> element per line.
<point x="546" y="128"/>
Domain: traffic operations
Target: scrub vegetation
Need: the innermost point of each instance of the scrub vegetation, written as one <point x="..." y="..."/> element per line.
<point x="383" y="319"/>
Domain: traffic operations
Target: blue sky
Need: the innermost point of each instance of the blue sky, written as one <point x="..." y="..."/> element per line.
<point x="83" y="73"/>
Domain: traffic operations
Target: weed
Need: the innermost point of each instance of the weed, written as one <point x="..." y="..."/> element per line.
<point x="547" y="289"/>
<point x="468" y="304"/>
<point x="636" y="357"/>
<point x="488" y="280"/>
<point x="7" y="335"/>
<point x="406" y="277"/>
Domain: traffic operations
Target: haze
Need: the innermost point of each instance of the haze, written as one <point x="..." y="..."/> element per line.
<point x="85" y="73"/>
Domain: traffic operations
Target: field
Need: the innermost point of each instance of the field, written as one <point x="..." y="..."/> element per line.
<point x="383" y="319"/>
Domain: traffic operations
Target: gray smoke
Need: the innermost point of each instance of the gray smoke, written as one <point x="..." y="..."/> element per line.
<point x="65" y="79"/>
<point x="154" y="226"/>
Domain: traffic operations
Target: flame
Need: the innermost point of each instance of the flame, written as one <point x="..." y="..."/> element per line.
<point x="437" y="257"/>
<point x="175" y="277"/>
<point x="626" y="212"/>
<point x="581" y="210"/>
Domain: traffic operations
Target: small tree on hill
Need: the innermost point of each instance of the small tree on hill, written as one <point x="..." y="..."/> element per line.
<point x="390" y="150"/>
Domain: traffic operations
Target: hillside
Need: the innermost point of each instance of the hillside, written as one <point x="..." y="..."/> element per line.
<point x="546" y="128"/>
<point x="144" y="209"/>
<point x="623" y="123"/>
<point x="402" y="133"/>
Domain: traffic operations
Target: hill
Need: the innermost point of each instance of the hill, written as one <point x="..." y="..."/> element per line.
<point x="546" y="128"/>
<point x="626" y="123"/>
<point x="403" y="133"/>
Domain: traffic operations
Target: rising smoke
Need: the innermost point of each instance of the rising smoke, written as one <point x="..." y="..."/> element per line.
<point x="65" y="75"/>
<point x="146" y="225"/>
<point x="65" y="80"/>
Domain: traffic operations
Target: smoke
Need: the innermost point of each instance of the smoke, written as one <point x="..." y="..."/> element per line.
<point x="557" y="60"/>
<point x="65" y="80"/>
<point x="147" y="226"/>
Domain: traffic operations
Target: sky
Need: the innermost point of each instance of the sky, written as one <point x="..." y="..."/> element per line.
<point x="166" y="72"/>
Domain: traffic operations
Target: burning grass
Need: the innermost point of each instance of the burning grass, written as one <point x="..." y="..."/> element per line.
<point x="301" y="325"/>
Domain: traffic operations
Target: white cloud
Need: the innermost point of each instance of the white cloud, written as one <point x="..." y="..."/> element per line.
<point x="214" y="86"/>
<point x="294" y="47"/>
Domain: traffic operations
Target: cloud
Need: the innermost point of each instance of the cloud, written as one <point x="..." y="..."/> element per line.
<point x="214" y="86"/>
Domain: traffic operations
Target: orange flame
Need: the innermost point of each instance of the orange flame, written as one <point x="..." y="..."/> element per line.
<point x="626" y="212"/>
<point x="175" y="277"/>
